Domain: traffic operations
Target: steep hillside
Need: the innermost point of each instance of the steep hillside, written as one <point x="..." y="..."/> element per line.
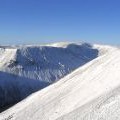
<point x="26" y="69"/>
<point x="89" y="93"/>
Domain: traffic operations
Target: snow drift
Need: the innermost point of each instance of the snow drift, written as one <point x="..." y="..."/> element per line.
<point x="26" y="69"/>
<point x="92" y="92"/>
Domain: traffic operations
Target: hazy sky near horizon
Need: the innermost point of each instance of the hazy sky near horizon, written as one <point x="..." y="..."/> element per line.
<point x="44" y="21"/>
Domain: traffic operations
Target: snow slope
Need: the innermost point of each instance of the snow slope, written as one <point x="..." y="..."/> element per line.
<point x="92" y="92"/>
<point x="26" y="69"/>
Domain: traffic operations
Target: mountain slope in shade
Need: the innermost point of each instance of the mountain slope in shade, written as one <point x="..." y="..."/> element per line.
<point x="26" y="69"/>
<point x="89" y="93"/>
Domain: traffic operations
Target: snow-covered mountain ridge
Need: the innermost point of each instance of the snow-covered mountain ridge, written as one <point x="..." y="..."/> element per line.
<point x="30" y="61"/>
<point x="26" y="69"/>
<point x="91" y="92"/>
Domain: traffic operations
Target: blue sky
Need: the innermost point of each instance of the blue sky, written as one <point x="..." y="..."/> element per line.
<point x="44" y="21"/>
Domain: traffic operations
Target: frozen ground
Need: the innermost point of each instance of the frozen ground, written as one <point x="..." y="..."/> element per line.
<point x="91" y="92"/>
